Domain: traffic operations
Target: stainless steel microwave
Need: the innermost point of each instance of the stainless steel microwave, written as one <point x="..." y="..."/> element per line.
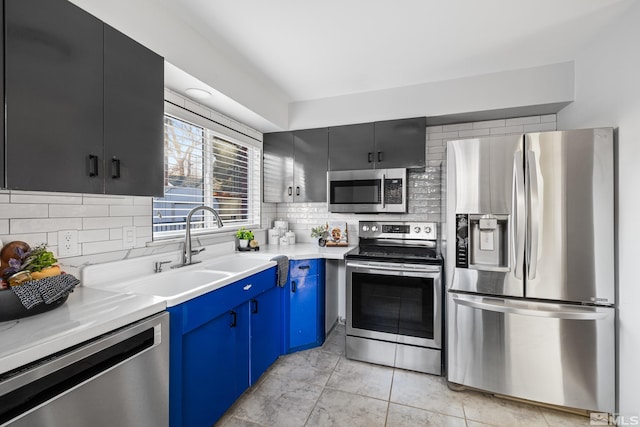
<point x="367" y="191"/>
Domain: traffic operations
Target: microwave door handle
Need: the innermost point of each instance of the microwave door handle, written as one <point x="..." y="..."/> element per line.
<point x="384" y="177"/>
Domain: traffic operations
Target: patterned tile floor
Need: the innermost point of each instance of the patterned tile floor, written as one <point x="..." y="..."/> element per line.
<point x="320" y="387"/>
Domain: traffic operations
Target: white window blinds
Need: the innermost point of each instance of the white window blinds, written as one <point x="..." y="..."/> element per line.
<point x="204" y="167"/>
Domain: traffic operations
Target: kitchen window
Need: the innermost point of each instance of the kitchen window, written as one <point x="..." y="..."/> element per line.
<point x="204" y="166"/>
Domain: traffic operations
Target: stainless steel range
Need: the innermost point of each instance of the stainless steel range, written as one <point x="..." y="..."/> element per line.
<point x="394" y="296"/>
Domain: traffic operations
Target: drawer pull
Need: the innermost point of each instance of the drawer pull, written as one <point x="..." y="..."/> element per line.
<point x="247" y="287"/>
<point x="294" y="286"/>
<point x="234" y="319"/>
<point x="304" y="267"/>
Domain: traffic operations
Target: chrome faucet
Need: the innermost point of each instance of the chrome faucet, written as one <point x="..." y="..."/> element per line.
<point x="187" y="253"/>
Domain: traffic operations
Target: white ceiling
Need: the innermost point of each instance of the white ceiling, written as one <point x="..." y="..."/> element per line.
<point x="335" y="47"/>
<point x="313" y="50"/>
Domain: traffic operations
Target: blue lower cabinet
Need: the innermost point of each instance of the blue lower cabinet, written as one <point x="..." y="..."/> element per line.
<point x="215" y="369"/>
<point x="304" y="305"/>
<point x="266" y="331"/>
<point x="221" y="342"/>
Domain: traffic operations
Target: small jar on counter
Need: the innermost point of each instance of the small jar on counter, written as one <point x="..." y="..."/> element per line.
<point x="291" y="237"/>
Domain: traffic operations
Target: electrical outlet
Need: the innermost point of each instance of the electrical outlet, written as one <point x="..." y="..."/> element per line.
<point x="68" y="243"/>
<point x="128" y="237"/>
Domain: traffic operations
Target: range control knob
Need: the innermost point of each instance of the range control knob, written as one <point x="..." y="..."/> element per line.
<point x="374" y="228"/>
<point x="416" y="230"/>
<point x="427" y="230"/>
<point x="365" y="228"/>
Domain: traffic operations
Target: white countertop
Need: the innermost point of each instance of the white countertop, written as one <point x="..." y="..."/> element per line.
<point x="86" y="314"/>
<point x="107" y="301"/>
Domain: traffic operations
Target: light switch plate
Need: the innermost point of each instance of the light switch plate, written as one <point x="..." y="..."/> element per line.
<point x="128" y="237"/>
<point x="68" y="243"/>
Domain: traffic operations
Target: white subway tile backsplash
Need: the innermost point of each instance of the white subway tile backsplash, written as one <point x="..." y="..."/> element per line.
<point x="52" y="238"/>
<point x="548" y="118"/>
<point x="132" y="210"/>
<point x="434" y="129"/>
<point x="43" y="225"/>
<point x="487" y="124"/>
<point x="4" y="197"/>
<point x="457" y="127"/>
<point x="92" y="199"/>
<point x="474" y="132"/>
<point x="100" y="247"/>
<point x="62" y="211"/>
<point x="4" y="227"/>
<point x="32" y="239"/>
<point x="522" y="121"/>
<point x="513" y="129"/>
<point x="105" y="222"/>
<point x="23" y="210"/>
<point x="85" y="236"/>
<point x="443" y="135"/>
<point x="143" y="221"/>
<point x="43" y="197"/>
<point x="143" y="201"/>
<point x="115" y="233"/>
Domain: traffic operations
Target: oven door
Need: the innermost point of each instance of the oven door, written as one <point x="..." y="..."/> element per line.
<point x="400" y="303"/>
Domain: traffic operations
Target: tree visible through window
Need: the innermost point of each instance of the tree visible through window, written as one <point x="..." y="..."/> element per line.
<point x="202" y="167"/>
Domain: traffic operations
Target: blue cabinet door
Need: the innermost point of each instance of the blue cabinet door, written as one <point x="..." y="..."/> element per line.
<point x="266" y="331"/>
<point x="305" y="306"/>
<point x="303" y="311"/>
<point x="215" y="367"/>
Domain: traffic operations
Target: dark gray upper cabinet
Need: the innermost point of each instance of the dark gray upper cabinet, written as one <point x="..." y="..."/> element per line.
<point x="133" y="117"/>
<point x="310" y="157"/>
<point x="351" y="147"/>
<point x="277" y="149"/>
<point x="78" y="94"/>
<point x="53" y="86"/>
<point x="388" y="144"/>
<point x="400" y="143"/>
<point x="295" y="166"/>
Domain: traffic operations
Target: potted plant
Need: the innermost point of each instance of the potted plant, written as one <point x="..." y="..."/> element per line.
<point x="244" y="237"/>
<point x="321" y="233"/>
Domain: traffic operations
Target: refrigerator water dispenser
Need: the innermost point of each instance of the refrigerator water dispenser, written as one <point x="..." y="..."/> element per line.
<point x="482" y="242"/>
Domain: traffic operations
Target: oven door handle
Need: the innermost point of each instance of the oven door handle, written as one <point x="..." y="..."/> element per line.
<point x="396" y="267"/>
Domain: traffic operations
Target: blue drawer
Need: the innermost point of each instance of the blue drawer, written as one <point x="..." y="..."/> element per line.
<point x="202" y="309"/>
<point x="303" y="267"/>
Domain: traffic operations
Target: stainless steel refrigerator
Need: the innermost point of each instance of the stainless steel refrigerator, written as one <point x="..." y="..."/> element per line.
<point x="530" y="267"/>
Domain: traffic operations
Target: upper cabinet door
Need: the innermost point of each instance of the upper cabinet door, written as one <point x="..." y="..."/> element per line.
<point x="351" y="147"/>
<point x="278" y="167"/>
<point x="54" y="93"/>
<point x="400" y="143"/>
<point x="311" y="155"/>
<point x="133" y="117"/>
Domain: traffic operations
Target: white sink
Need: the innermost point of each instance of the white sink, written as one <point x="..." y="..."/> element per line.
<point x="237" y="264"/>
<point x="176" y="283"/>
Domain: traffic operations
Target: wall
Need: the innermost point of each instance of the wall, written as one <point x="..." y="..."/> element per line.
<point x="425" y="197"/>
<point x="608" y="94"/>
<point x="507" y="93"/>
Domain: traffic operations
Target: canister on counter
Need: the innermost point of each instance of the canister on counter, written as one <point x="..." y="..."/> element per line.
<point x="284" y="241"/>
<point x="274" y="236"/>
<point x="291" y="237"/>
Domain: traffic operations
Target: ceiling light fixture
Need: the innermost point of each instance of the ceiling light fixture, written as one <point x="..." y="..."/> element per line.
<point x="198" y="93"/>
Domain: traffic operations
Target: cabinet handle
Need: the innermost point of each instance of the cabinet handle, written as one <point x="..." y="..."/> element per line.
<point x="290" y="191"/>
<point x="370" y="157"/>
<point x="115" y="168"/>
<point x="254" y="306"/>
<point x="93" y="165"/>
<point x="379" y="156"/>
<point x="294" y="286"/>
<point x="304" y="267"/>
<point x="234" y="319"/>
<point x="297" y="191"/>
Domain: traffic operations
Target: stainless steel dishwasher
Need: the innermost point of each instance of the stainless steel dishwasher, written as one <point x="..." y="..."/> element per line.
<point x="117" y="379"/>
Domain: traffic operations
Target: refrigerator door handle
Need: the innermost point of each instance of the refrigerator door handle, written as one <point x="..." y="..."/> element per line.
<point x="549" y="310"/>
<point x="518" y="228"/>
<point x="534" y="207"/>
